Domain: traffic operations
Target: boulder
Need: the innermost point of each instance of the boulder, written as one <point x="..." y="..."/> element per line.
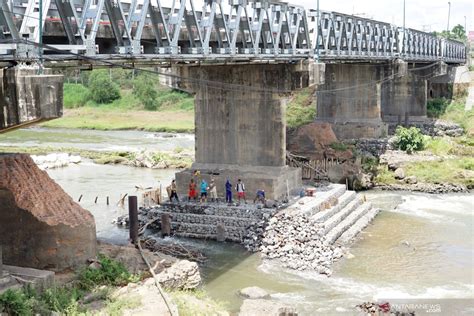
<point x="266" y="307"/>
<point x="182" y="275"/>
<point x="411" y="180"/>
<point x="399" y="174"/>
<point x="40" y="225"/>
<point x="254" y="292"/>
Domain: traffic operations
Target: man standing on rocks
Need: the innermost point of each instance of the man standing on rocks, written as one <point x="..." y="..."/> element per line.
<point x="192" y="190"/>
<point x="213" y="190"/>
<point x="240" y="188"/>
<point x="204" y="188"/>
<point x="174" y="191"/>
<point x="228" y="191"/>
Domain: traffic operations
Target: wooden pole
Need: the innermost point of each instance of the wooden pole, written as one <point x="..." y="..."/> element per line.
<point x="133" y="217"/>
<point x="96" y="198"/>
<point x="80" y="198"/>
<point x="107" y="200"/>
<point x="165" y="225"/>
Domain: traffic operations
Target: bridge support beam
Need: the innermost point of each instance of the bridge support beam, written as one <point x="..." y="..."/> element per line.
<point x="27" y="97"/>
<point x="241" y="131"/>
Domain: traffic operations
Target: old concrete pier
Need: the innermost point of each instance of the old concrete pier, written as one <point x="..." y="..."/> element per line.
<point x="361" y="100"/>
<point x="28" y="96"/>
<point x="240" y="124"/>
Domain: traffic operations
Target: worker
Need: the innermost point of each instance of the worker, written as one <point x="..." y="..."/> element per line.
<point x="192" y="190"/>
<point x="260" y="197"/>
<point x="228" y="191"/>
<point x="204" y="188"/>
<point x="174" y="191"/>
<point x="240" y="188"/>
<point x="213" y="190"/>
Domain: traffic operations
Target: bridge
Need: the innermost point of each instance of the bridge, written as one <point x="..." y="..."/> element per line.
<point x="220" y="30"/>
<point x="241" y="58"/>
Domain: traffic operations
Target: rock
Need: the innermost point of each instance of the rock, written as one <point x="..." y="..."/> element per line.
<point x="182" y="275"/>
<point x="253" y="293"/>
<point x="266" y="307"/>
<point x="399" y="174"/>
<point x="411" y="180"/>
<point x="61" y="234"/>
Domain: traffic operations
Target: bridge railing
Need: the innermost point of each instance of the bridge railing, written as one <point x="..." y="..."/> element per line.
<point x="213" y="28"/>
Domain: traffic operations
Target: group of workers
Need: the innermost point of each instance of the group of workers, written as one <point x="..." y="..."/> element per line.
<point x="210" y="190"/>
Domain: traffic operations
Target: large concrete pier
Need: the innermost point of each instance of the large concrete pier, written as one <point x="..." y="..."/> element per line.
<point x="240" y="125"/>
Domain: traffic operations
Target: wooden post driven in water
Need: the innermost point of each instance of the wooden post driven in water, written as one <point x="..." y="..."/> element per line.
<point x="165" y="225"/>
<point x="133" y="217"/>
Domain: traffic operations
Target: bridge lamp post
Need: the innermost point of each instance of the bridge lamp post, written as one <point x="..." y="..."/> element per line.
<point x="449" y="15"/>
<point x="40" y="32"/>
<point x="317" y="30"/>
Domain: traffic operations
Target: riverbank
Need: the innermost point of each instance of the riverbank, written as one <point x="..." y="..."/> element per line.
<point x="109" y="118"/>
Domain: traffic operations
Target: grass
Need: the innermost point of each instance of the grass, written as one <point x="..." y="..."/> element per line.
<point x="196" y="303"/>
<point x="456" y="171"/>
<point x="385" y="176"/>
<point x="339" y="146"/>
<point x="455" y="112"/>
<point x="115" y="118"/>
<point x="67" y="300"/>
<point x="301" y="109"/>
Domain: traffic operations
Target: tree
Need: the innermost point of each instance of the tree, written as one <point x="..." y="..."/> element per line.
<point x="145" y="91"/>
<point x="459" y="32"/>
<point x="102" y="89"/>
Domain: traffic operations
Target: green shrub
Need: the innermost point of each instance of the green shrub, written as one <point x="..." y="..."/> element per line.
<point x="75" y="95"/>
<point x="111" y="273"/>
<point x="301" y="109"/>
<point x="409" y="139"/>
<point x="339" y="146"/>
<point x="145" y="91"/>
<point x="101" y="88"/>
<point x="15" y="302"/>
<point x="437" y="107"/>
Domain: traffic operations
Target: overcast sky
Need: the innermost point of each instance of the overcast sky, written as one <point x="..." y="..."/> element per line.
<point x="429" y="14"/>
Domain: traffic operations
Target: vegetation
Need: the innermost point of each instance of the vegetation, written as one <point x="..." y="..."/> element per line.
<point x="301" y="109"/>
<point x="409" y="139"/>
<point x="455" y="112"/>
<point x="196" y="303"/>
<point x="458" y="171"/>
<point x="339" y="146"/>
<point x="457" y="33"/>
<point x="69" y="300"/>
<point x="437" y="107"/>
<point x="144" y="90"/>
<point x="102" y="89"/>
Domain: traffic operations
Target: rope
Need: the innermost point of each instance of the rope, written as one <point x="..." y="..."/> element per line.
<point x="172" y="311"/>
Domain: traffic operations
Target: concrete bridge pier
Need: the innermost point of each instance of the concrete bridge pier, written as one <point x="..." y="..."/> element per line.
<point x="27" y="97"/>
<point x="240" y="125"/>
<point x="351" y="100"/>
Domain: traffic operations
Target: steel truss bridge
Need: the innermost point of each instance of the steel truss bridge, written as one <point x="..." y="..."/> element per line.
<point x="207" y="30"/>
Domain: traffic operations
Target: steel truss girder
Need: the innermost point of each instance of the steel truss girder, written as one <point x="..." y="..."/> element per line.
<point x="255" y="28"/>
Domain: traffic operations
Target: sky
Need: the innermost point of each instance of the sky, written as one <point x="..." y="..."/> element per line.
<point x="428" y="15"/>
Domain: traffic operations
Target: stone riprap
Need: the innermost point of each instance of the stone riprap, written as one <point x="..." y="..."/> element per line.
<point x="311" y="234"/>
<point x="195" y="220"/>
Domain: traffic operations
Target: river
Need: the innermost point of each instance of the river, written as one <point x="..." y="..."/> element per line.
<point x="420" y="246"/>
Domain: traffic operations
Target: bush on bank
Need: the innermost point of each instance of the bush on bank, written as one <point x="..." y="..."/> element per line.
<point x="409" y="139"/>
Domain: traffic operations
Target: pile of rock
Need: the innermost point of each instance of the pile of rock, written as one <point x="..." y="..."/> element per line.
<point x="53" y="161"/>
<point x="442" y="128"/>
<point x="296" y="241"/>
<point x="257" y="301"/>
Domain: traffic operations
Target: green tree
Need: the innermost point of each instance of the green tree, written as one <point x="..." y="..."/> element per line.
<point x="102" y="89"/>
<point x="145" y="91"/>
<point x="409" y="139"/>
<point x="459" y="32"/>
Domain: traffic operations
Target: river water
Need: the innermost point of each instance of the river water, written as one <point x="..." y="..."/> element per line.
<point x="420" y="246"/>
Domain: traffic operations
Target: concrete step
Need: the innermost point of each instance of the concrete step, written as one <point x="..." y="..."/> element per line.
<point x="358" y="226"/>
<point x="348" y="222"/>
<point x="343" y="200"/>
<point x="342" y="214"/>
<point x="312" y="205"/>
